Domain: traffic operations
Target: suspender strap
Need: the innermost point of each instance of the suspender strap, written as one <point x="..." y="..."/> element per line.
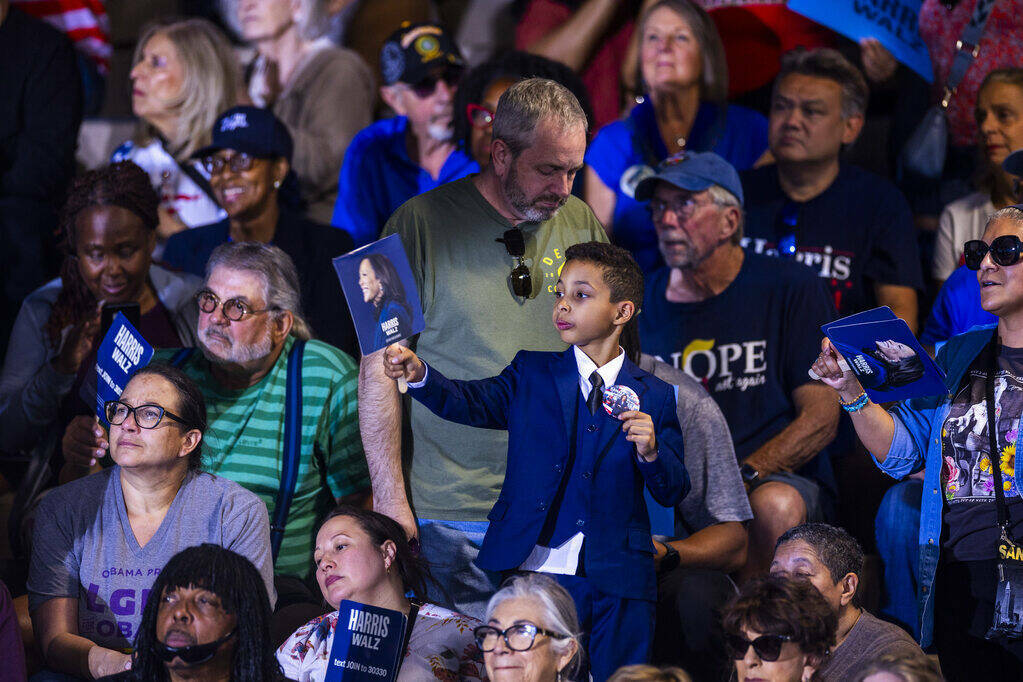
<point x="292" y="447"/>
<point x="967" y="47"/>
<point x="181" y="357"/>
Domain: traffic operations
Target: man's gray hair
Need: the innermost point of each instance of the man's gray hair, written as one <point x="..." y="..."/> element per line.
<point x="1007" y="213"/>
<point x="280" y="278"/>
<point x="526" y="103"/>
<point x="722" y="197"/>
<point x="557" y="612"/>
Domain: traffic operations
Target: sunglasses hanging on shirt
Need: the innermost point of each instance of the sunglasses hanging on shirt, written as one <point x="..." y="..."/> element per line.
<point x="515" y="243"/>
<point x="788" y="222"/>
<point x="1004" y="250"/>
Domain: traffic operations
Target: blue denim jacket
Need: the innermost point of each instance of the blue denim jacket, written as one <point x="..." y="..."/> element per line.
<point x="917" y="443"/>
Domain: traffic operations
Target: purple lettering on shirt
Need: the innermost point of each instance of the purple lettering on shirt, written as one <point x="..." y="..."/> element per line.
<point x="92" y="599"/>
<point x="122" y="602"/>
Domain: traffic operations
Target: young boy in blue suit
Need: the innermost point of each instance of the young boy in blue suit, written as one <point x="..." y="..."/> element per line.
<point x="572" y="502"/>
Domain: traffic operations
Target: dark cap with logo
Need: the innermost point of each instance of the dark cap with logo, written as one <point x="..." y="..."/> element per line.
<point x="250" y="130"/>
<point x="692" y="171"/>
<point x="414" y="50"/>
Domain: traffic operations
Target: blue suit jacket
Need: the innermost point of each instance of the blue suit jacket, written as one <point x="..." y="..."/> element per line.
<point x="535" y="399"/>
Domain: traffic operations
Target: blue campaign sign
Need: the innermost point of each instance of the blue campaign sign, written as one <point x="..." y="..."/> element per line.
<point x="122" y="352"/>
<point x="893" y="22"/>
<point x="381" y="292"/>
<point x="368" y="644"/>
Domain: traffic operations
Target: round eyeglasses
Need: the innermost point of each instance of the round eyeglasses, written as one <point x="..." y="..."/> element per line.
<point x="238" y="163"/>
<point x="518" y="637"/>
<point x="1004" y="250"/>
<point x="234" y="309"/>
<point x="146" y="416"/>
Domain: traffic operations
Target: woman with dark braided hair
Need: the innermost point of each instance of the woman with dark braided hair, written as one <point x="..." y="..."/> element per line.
<point x="207" y="618"/>
<point x="108" y="228"/>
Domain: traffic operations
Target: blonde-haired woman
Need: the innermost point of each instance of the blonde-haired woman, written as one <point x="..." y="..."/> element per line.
<point x="185" y="74"/>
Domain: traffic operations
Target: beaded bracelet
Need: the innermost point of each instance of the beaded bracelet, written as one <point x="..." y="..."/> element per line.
<point x="856" y="405"/>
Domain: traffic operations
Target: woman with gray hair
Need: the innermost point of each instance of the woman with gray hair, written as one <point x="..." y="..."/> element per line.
<point x="682" y="69"/>
<point x="970" y="511"/>
<point x="532" y="632"/>
<point x="323" y="93"/>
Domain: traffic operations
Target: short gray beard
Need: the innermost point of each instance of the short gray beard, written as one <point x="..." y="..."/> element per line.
<point x="237" y="355"/>
<point x="515" y="197"/>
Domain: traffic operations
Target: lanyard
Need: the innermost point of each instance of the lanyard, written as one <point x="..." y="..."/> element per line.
<point x="992" y="434"/>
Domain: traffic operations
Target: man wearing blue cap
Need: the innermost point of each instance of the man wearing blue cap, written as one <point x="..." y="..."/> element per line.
<point x="249" y="162"/>
<point x="745" y="326"/>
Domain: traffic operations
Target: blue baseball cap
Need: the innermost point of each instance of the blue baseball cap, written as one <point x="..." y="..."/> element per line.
<point x="692" y="171"/>
<point x="1013" y="164"/>
<point x="250" y="130"/>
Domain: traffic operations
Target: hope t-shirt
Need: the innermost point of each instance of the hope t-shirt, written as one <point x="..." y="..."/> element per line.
<point x="855" y="234"/>
<point x="750" y="346"/>
<point x="971" y="522"/>
<point x="83" y="546"/>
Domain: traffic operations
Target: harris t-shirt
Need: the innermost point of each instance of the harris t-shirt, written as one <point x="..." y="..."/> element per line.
<point x="750" y="346"/>
<point x="856" y="233"/>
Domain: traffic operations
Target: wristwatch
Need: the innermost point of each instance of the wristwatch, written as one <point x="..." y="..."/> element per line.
<point x="671" y="559"/>
<point x="748" y="473"/>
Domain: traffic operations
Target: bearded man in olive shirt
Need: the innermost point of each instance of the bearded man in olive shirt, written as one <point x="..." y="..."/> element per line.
<point x="470" y="243"/>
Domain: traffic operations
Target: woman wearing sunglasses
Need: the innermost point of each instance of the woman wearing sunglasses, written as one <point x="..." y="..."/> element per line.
<point x="532" y="632"/>
<point x="364" y="556"/>
<point x="100" y="541"/>
<point x="966" y="439"/>
<point x="778" y="630"/>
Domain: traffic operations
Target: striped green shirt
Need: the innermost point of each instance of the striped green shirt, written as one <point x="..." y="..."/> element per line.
<point x="244" y="441"/>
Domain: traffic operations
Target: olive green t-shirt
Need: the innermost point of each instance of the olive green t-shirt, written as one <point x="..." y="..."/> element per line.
<point x="474" y="327"/>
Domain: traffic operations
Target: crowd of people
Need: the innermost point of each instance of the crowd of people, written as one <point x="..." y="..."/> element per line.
<point x="611" y="451"/>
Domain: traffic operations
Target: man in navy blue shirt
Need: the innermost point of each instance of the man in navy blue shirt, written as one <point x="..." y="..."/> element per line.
<point x="745" y="326"/>
<point x="852" y="227"/>
<point x="393" y="160"/>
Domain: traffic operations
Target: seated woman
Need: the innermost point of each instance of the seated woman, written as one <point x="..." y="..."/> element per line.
<point x="100" y="541"/>
<point x="249" y="162"/>
<point x="108" y="226"/>
<point x="532" y="632"/>
<point x="364" y="556"/>
<point x="779" y="629"/>
<point x="184" y="74"/>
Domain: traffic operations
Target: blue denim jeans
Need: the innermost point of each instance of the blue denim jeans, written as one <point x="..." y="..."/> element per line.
<point x="897" y="530"/>
<point x="450" y="547"/>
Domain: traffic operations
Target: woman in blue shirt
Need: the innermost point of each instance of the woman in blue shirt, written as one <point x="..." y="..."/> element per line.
<point x="682" y="65"/>
<point x="949" y="434"/>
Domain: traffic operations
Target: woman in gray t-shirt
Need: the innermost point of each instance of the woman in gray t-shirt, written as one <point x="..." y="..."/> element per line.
<point x="99" y="542"/>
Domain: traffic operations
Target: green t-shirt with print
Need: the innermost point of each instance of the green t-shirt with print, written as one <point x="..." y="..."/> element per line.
<point x="244" y="441"/>
<point x="474" y="327"/>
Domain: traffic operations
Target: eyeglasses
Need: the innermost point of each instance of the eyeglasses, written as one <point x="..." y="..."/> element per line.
<point x="1005" y="251"/>
<point x="515" y="243"/>
<point x="479" y="116"/>
<point x="518" y="637"/>
<point x="238" y="163"/>
<point x="146" y="416"/>
<point x="428" y="85"/>
<point x="683" y="208"/>
<point x="767" y="647"/>
<point x="788" y="221"/>
<point x="234" y="309"/>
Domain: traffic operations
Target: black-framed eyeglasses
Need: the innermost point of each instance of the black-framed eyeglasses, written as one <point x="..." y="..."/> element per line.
<point x="788" y="222"/>
<point x="1005" y="251"/>
<point x="518" y="637"/>
<point x="238" y="163"/>
<point x="146" y="416"/>
<point x="428" y="85"/>
<point x="767" y="647"/>
<point x="515" y="243"/>
<point x="234" y="309"/>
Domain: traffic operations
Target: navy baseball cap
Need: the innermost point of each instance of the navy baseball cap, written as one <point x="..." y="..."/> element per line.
<point x="414" y="50"/>
<point x="1013" y="164"/>
<point x="693" y="171"/>
<point x="250" y="130"/>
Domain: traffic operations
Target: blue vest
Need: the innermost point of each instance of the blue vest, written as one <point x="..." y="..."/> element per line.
<point x="569" y="513"/>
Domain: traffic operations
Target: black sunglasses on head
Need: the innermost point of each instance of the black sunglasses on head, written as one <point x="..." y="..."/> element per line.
<point x="1005" y="251"/>
<point x="515" y="243"/>
<point x="767" y="647"/>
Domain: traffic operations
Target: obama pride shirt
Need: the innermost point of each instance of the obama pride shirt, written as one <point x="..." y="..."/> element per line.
<point x="750" y="346"/>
